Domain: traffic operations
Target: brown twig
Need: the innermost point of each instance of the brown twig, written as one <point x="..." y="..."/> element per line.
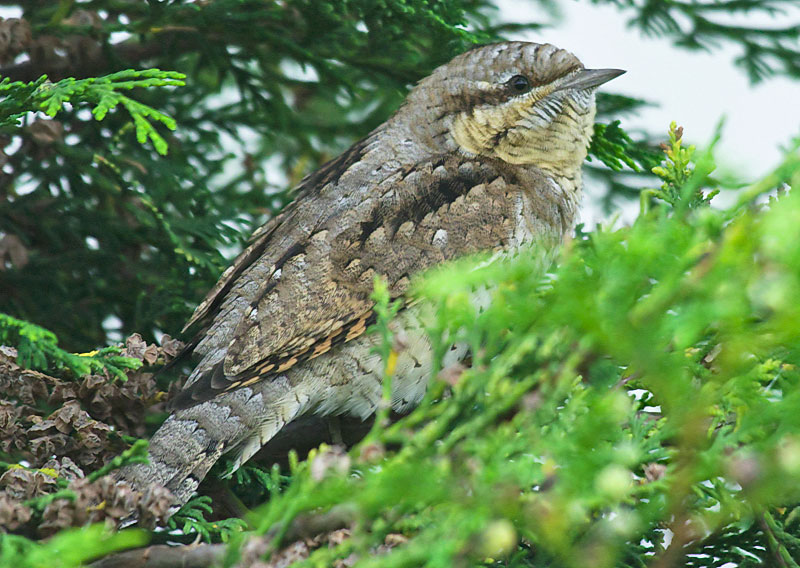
<point x="205" y="555"/>
<point x="165" y="556"/>
<point x="97" y="62"/>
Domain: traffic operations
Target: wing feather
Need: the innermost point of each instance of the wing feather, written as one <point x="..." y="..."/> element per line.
<point x="316" y="293"/>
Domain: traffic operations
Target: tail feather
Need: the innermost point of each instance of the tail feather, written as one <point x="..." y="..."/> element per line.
<point x="180" y="454"/>
<point x="193" y="439"/>
<point x="250" y="446"/>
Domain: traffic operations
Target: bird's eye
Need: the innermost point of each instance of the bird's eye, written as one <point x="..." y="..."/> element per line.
<point x="519" y="84"/>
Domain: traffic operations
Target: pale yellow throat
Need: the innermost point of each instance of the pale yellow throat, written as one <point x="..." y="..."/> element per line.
<point x="559" y="147"/>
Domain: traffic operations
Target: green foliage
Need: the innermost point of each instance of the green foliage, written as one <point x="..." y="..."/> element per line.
<point x="385" y="310"/>
<point x="615" y="148"/>
<point x="611" y="105"/>
<point x="650" y="382"/>
<point x="256" y="484"/>
<point x="67" y="549"/>
<point x="18" y="100"/>
<point x="37" y="348"/>
<point x="101" y="93"/>
<point x="617" y="160"/>
<point x="681" y="181"/>
<point x="191" y="520"/>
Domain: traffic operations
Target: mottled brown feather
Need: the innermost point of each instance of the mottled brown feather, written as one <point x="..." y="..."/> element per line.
<point x="303" y="284"/>
<point x="260" y="238"/>
<point x="466" y="164"/>
<point x="322" y="296"/>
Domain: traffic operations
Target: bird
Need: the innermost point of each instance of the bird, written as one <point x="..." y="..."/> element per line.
<point x="484" y="155"/>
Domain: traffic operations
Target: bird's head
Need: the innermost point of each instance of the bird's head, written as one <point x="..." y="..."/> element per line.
<point x="523" y="103"/>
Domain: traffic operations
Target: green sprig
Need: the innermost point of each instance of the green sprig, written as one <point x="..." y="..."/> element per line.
<point x="102" y="93"/>
<point x="37" y="348"/>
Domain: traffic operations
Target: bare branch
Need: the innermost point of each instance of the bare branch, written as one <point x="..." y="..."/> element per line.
<point x="205" y="555"/>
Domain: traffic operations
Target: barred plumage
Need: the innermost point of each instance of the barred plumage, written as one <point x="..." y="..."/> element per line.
<point x="484" y="155"/>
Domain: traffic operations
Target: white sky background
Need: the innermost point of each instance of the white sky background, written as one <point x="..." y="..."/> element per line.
<point x="694" y="88"/>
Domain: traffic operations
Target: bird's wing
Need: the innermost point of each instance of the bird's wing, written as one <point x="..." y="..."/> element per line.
<point x="260" y="239"/>
<point x="315" y="291"/>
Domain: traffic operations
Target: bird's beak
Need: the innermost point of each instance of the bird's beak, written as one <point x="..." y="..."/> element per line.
<point x="590" y="78"/>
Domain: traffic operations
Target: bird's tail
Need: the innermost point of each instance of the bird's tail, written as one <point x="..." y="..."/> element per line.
<point x="192" y="440"/>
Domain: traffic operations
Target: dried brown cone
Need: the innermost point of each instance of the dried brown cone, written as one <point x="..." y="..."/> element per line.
<point x="105" y="500"/>
<point x="90" y="411"/>
<point x="23" y="484"/>
<point x="15" y="37"/>
<point x="14" y="516"/>
<point x="11" y="432"/>
<point x="78" y="437"/>
<point x="71" y="431"/>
